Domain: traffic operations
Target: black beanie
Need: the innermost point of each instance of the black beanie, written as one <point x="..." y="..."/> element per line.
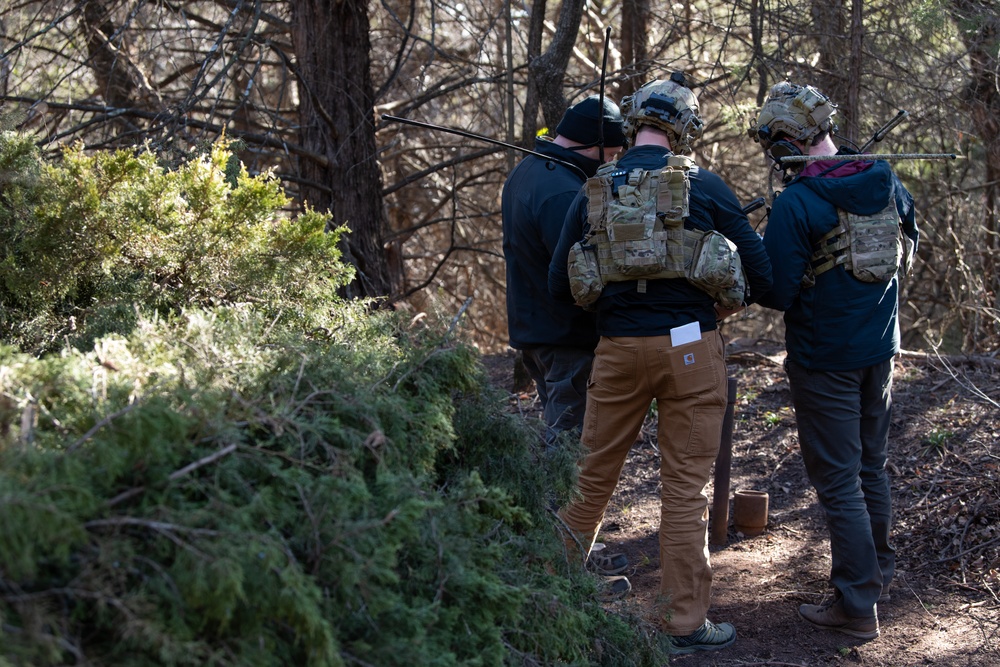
<point x="579" y="123"/>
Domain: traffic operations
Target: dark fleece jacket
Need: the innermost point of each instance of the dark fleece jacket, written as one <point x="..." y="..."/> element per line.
<point x="534" y="202"/>
<point x="841" y="323"/>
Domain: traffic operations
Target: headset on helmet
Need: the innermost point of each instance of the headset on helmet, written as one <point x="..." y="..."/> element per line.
<point x="668" y="105"/>
<point x="793" y="111"/>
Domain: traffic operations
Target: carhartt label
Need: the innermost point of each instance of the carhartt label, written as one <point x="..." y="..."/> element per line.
<point x="688" y="358"/>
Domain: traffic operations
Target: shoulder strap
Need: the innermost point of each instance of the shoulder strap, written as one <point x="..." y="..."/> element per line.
<point x="598" y="188"/>
<point x="828" y="250"/>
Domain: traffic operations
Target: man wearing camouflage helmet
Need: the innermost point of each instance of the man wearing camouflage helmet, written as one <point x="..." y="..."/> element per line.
<point x="836" y="236"/>
<point x="639" y="361"/>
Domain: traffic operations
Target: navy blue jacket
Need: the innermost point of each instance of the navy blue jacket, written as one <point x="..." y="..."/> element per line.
<point x="841" y="323"/>
<point x="667" y="303"/>
<point x="535" y="198"/>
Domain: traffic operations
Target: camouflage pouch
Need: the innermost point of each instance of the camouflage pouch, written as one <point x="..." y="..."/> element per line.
<point x="717" y="269"/>
<point x="733" y="296"/>
<point x="584" y="274"/>
<point x="876" y="245"/>
<point x="638" y="248"/>
<point x="715" y="262"/>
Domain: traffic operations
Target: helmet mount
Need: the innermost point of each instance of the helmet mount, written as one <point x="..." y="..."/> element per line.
<point x="797" y="112"/>
<point x="668" y="105"/>
<point x="791" y="113"/>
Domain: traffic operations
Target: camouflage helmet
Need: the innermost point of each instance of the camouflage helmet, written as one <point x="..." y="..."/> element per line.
<point x="668" y="105"/>
<point x="800" y="112"/>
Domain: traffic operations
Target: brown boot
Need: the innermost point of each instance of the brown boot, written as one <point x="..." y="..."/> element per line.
<point x="831" y="616"/>
<point x="600" y="561"/>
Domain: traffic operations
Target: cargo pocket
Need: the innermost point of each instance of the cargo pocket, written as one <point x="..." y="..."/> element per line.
<point x="706" y="431"/>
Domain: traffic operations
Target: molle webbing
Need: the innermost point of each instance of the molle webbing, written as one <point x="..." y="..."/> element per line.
<point x="870" y="247"/>
<point x="830" y="247"/>
<point x="620" y="263"/>
<point x="640" y="233"/>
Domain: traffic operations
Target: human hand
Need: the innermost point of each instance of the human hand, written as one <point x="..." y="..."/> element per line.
<point x="722" y="313"/>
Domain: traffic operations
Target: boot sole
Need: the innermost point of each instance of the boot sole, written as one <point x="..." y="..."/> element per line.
<point x="858" y="633"/>
<point x="608" y="594"/>
<point x="674" y="650"/>
<point x="606" y="572"/>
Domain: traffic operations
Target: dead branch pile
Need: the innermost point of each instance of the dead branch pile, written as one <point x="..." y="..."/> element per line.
<point x="945" y="474"/>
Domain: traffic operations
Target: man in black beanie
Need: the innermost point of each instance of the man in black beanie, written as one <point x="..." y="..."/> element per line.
<point x="556" y="340"/>
<point x="579" y="126"/>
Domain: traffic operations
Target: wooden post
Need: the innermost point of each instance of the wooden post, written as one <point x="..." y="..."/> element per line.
<point x="723" y="466"/>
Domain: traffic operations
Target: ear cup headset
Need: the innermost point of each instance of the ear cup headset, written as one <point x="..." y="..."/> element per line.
<point x="777" y="149"/>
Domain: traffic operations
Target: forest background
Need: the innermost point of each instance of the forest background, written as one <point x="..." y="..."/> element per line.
<point x="305" y="87"/>
<point x="215" y="450"/>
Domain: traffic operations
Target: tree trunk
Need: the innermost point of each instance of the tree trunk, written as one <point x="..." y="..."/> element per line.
<point x="336" y="102"/>
<point x="757" y="34"/>
<point x="635" y="22"/>
<point x="830" y="25"/>
<point x="532" y="96"/>
<point x="852" y="103"/>
<point x="120" y="83"/>
<point x="549" y="69"/>
<point x="979" y="27"/>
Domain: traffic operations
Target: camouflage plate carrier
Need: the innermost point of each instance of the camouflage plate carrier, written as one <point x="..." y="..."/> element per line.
<point x="872" y="248"/>
<point x="639" y="235"/>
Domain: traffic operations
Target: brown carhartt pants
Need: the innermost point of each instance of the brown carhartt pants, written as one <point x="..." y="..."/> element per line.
<point x="688" y="383"/>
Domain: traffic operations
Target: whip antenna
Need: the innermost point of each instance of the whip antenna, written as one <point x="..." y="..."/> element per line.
<point x="600" y="113"/>
<point x="479" y="137"/>
<point x="884" y="130"/>
<point x="866" y="157"/>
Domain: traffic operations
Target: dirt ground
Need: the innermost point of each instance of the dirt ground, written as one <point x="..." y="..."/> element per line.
<point x="944" y="459"/>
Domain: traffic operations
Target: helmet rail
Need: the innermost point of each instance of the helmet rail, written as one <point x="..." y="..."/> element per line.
<point x="668" y="105"/>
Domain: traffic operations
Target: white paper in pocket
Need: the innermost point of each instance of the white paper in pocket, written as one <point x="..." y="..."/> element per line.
<point x="686" y="333"/>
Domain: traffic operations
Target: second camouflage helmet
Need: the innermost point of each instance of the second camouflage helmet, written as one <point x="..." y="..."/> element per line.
<point x="668" y="105"/>
<point x="796" y="112"/>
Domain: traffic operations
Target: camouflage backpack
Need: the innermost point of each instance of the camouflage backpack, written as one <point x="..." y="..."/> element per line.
<point x="637" y="233"/>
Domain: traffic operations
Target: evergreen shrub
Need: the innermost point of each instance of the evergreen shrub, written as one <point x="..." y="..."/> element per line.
<point x="86" y="239"/>
<point x="239" y="475"/>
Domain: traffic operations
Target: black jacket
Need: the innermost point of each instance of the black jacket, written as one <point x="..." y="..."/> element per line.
<point x="535" y="199"/>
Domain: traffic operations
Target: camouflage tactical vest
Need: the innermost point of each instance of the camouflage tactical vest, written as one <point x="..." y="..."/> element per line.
<point x="637" y="233"/>
<point x="872" y="248"/>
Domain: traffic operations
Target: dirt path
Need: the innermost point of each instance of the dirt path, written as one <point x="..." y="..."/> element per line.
<point x="945" y="457"/>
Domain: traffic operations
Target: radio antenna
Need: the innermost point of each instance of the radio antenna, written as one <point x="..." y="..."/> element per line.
<point x="600" y="113"/>
<point x="479" y="137"/>
<point x="884" y="130"/>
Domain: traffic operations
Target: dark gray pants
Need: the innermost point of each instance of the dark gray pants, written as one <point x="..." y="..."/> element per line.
<point x="843" y="419"/>
<point x="560" y="375"/>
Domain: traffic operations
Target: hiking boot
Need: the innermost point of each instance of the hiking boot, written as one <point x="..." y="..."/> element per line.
<point x="831" y="616"/>
<point x="606" y="564"/>
<point x="709" y="637"/>
<point x="614" y="588"/>
<point x="886" y="596"/>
